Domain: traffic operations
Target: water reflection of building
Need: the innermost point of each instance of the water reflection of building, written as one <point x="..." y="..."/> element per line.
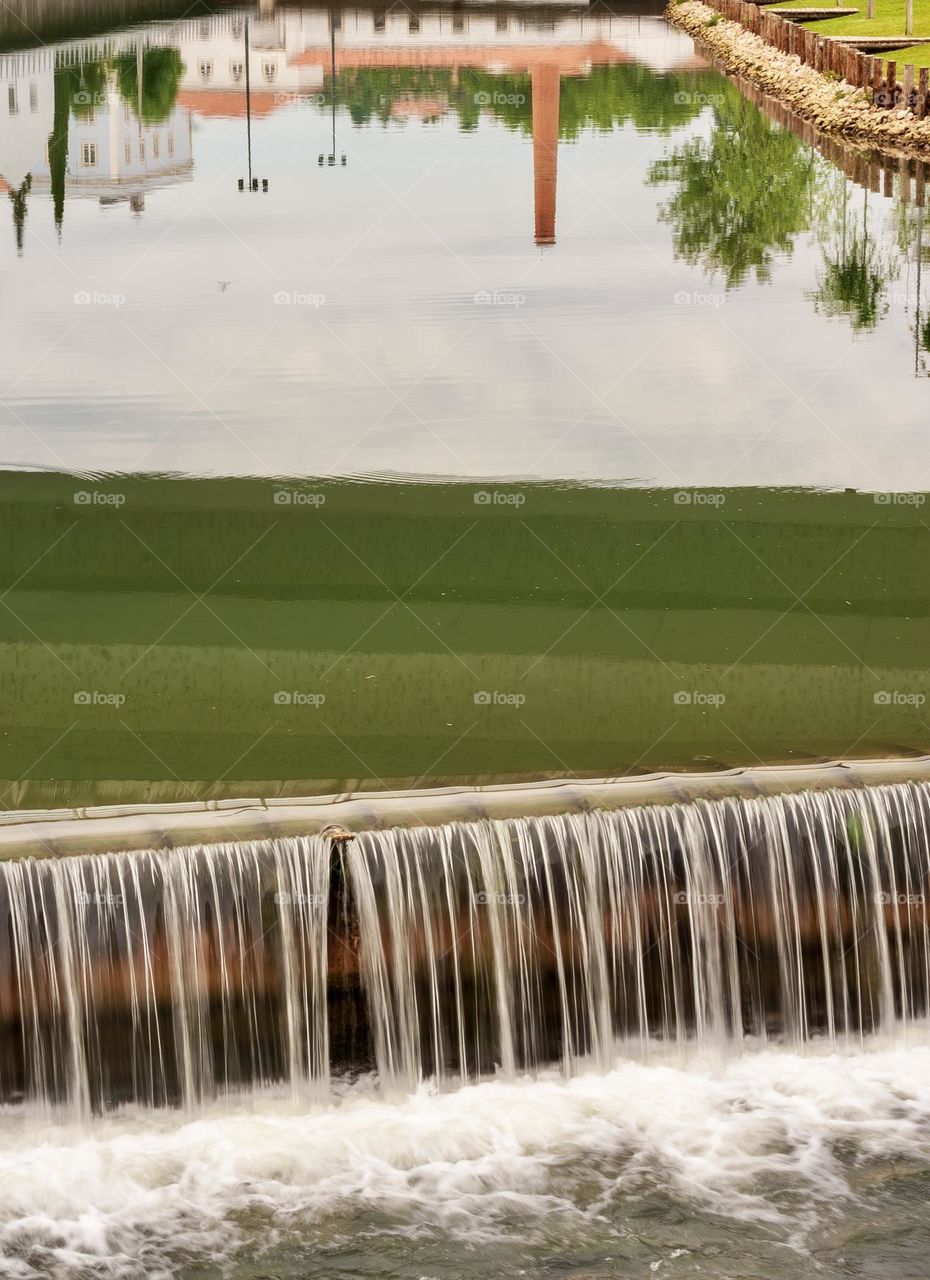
<point x="115" y="157"/>
<point x="107" y="152"/>
<point x="292" y="52"/>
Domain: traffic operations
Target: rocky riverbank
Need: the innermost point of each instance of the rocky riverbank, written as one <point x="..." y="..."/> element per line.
<point x="833" y="105"/>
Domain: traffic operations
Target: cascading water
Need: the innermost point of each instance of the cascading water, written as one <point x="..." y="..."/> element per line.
<point x="176" y="975"/>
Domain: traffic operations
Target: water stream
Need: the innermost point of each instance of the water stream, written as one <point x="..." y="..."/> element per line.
<point x="450" y="953"/>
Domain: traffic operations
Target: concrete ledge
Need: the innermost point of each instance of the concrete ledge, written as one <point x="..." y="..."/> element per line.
<point x="813" y="15"/>
<point x="110" y="829"/>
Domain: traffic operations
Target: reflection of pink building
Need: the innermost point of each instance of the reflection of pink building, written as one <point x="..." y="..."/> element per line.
<point x="292" y="52"/>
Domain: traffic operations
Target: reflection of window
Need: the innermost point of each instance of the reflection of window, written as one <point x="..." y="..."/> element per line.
<point x="501" y="22"/>
<point x="379" y="22"/>
<point x="205" y="31"/>
<point x="458" y="22"/>
<point x="170" y="144"/>
<point x="413" y="24"/>
<point x="89" y="117"/>
<point x="141" y="148"/>
<point x="237" y="27"/>
<point x="126" y="113"/>
<point x="11" y="100"/>
<point x="156" y="146"/>
<point x="206" y="69"/>
<point x="33" y="97"/>
<point x="269" y="70"/>
<point x="88" y="154"/>
<point x="127" y="152"/>
<point x="235" y="70"/>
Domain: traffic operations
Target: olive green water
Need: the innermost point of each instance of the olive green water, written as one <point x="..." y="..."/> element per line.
<point x="204" y="637"/>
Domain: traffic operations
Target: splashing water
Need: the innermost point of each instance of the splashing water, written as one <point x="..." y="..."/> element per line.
<point x="175" y="976"/>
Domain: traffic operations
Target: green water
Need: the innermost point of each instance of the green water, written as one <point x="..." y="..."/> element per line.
<point x="203" y="637"/>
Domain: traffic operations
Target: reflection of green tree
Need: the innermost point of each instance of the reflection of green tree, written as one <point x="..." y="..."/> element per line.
<point x="58" y="139"/>
<point x="162" y="70"/>
<point x="89" y="87"/>
<point x="18" y="201"/>
<point x="855" y="271"/>
<point x="606" y="98"/>
<point x="743" y="194"/>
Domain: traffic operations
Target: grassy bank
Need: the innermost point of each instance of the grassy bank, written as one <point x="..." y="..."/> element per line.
<point x="888" y="21"/>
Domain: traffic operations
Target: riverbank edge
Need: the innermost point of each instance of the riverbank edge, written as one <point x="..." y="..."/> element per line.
<point x="833" y="106"/>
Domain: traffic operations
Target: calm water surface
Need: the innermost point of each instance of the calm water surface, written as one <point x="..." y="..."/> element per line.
<point x="552" y="243"/>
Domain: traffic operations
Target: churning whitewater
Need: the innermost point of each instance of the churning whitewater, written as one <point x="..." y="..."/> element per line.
<point x="449" y="953"/>
<point x="774" y="1143"/>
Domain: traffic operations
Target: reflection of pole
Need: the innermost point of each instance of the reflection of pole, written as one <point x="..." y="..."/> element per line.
<point x="331" y="158"/>
<point x="248" y="101"/>
<point x="253" y="182"/>
<point x="546" y="90"/>
<point x="920" y="254"/>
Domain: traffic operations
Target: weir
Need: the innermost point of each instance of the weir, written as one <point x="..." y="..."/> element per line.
<point x="170" y="976"/>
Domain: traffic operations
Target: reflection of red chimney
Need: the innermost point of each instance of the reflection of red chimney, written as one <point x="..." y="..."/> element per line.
<point x="546" y="87"/>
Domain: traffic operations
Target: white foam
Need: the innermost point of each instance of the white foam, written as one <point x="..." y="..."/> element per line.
<point x="124" y="1195"/>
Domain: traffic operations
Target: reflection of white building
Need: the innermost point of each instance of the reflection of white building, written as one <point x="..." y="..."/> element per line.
<point x="214" y="56"/>
<point x="27" y="110"/>
<point x="113" y="156"/>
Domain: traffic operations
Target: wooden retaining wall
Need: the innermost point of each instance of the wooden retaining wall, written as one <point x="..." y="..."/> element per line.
<point x="830" y="56"/>
<point x="874" y="170"/>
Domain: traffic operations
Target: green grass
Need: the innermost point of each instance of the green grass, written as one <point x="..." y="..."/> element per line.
<point x="888" y="21"/>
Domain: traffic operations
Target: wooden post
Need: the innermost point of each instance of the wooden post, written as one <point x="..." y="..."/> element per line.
<point x="919" y="179"/>
<point x="889" y="176"/>
<point x="877" y="85"/>
<point x="892" y="81"/>
<point x="907" y="83"/>
<point x="923" y="92"/>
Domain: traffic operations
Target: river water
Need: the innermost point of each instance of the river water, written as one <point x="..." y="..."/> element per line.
<point x="419" y="394"/>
